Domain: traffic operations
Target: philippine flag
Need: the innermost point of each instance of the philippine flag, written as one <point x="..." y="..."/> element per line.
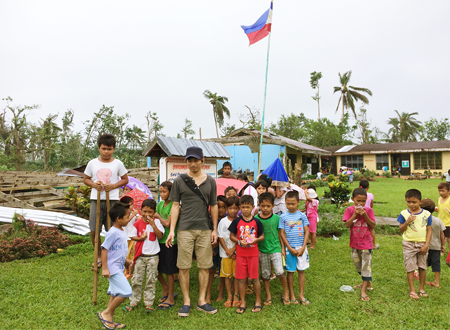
<point x="261" y="28"/>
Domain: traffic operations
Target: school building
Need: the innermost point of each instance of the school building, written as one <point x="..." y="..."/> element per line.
<point x="408" y="157"/>
<point x="243" y="145"/>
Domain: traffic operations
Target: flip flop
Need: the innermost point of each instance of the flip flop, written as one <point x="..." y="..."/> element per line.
<point x="99" y="265"/>
<point x="117" y="326"/>
<point x="305" y="302"/>
<point x="433" y="285"/>
<point x="414" y="296"/>
<point x="105" y="322"/>
<point x="236" y="303"/>
<point x="148" y="309"/>
<point x="416" y="276"/>
<point x="365" y="298"/>
<point x="128" y="308"/>
<point x="241" y="310"/>
<point x="165" y="305"/>
<point x="163" y="299"/>
<point x="256" y="309"/>
<point x="295" y="301"/>
<point x="285" y="302"/>
<point x="228" y="303"/>
<point x="268" y="302"/>
<point x="423" y="294"/>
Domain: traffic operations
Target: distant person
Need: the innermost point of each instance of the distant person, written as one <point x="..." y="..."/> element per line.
<point x="195" y="228"/>
<point x="360" y="219"/>
<point x="415" y="224"/>
<point x="104" y="173"/>
<point x="280" y="204"/>
<point x="311" y="212"/>
<point x="369" y="203"/>
<point x="114" y="254"/>
<point x="350" y="178"/>
<point x="230" y="191"/>
<point x="443" y="208"/>
<point x="248" y="189"/>
<point x="447" y="176"/>
<point x="437" y="243"/>
<point x="319" y="175"/>
<point x="227" y="168"/>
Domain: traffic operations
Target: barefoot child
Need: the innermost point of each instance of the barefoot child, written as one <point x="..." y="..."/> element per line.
<point x="114" y="253"/>
<point x="437" y="243"/>
<point x="294" y="227"/>
<point x="145" y="232"/>
<point x="369" y="203"/>
<point x="311" y="212"/>
<point x="167" y="255"/>
<point x="104" y="173"/>
<point x="216" y="254"/>
<point x="227" y="253"/>
<point x="271" y="248"/>
<point x="247" y="232"/>
<point x="415" y="224"/>
<point x="360" y="219"/>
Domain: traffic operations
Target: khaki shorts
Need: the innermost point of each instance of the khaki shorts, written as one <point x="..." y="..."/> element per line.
<point x="187" y="240"/>
<point x="412" y="257"/>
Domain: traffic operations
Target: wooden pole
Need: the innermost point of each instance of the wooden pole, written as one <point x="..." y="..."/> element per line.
<point x="107" y="211"/>
<point x="97" y="234"/>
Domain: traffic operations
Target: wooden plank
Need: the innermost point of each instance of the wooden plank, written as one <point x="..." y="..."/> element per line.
<point x="37" y="193"/>
<point x="44" y="199"/>
<point x="26" y="188"/>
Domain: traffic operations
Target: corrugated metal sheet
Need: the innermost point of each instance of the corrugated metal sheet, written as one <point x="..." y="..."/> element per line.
<point x="405" y="147"/>
<point x="177" y="147"/>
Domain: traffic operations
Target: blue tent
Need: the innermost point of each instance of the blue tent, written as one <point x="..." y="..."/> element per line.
<point x="278" y="174"/>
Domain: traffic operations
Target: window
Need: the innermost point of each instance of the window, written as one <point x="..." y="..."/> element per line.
<point x="355" y="162"/>
<point x="382" y="161"/>
<point x="425" y="160"/>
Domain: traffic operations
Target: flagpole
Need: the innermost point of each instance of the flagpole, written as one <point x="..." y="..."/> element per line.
<point x="264" y="110"/>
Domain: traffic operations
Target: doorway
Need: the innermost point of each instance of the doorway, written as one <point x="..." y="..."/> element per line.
<point x="401" y="162"/>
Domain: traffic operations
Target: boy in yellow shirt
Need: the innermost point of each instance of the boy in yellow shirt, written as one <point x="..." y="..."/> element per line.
<point x="415" y="224"/>
<point x="443" y="208"/>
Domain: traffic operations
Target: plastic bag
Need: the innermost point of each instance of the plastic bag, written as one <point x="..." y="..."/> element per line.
<point x="346" y="288"/>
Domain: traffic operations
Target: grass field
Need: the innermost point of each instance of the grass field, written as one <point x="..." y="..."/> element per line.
<point x="389" y="194"/>
<point x="55" y="292"/>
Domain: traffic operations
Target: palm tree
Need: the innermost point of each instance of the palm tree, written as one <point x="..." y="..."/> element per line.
<point x="404" y="127"/>
<point x="350" y="94"/>
<point x="219" y="108"/>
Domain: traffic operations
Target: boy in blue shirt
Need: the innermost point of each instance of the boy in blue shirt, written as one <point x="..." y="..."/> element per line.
<point x="114" y="254"/>
<point x="294" y="228"/>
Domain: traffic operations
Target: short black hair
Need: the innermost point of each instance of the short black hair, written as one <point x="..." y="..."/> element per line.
<point x="293" y="194"/>
<point x="227" y="189"/>
<point x="247" y="199"/>
<point x="151" y="203"/>
<point x="364" y="184"/>
<point x="117" y="211"/>
<point x="221" y="198"/>
<point x="261" y="183"/>
<point x="126" y="200"/>
<point x="233" y="200"/>
<point x="167" y="184"/>
<point x="266" y="178"/>
<point x="413" y="193"/>
<point x="107" y="140"/>
<point x="242" y="176"/>
<point x="359" y="191"/>
<point x="312" y="187"/>
<point x="267" y="196"/>
<point x="444" y="185"/>
<point x="227" y="164"/>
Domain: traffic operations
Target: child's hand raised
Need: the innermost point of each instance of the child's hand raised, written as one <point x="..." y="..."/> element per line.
<point x="411" y="218"/>
<point x="138" y="217"/>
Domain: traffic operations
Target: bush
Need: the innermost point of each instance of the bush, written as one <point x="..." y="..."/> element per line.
<point x="331" y="178"/>
<point x="357" y="176"/>
<point x="338" y="191"/>
<point x="330" y="224"/>
<point x="80" y="205"/>
<point x="387" y="174"/>
<point x="319" y="183"/>
<point x="30" y="242"/>
<point x="343" y="177"/>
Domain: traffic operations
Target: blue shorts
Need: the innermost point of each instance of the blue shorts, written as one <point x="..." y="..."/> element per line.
<point x="297" y="263"/>
<point x="119" y="286"/>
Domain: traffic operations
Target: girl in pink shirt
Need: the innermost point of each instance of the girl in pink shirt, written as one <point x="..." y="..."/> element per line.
<point x="311" y="214"/>
<point x="369" y="203"/>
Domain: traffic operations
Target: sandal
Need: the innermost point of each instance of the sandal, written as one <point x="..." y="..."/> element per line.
<point x="241" y="310"/>
<point x="249" y="289"/>
<point x="414" y="296"/>
<point x="163" y="299"/>
<point x="295" y="301"/>
<point x="306" y="302"/>
<point x="236" y="303"/>
<point x="148" y="309"/>
<point x="285" y="302"/>
<point x="165" y="305"/>
<point x="228" y="303"/>
<point x="128" y="308"/>
<point x="105" y="322"/>
<point x="119" y="326"/>
<point x="99" y="265"/>
<point x="256" y="309"/>
<point x="268" y="302"/>
<point x="416" y="275"/>
<point x="423" y="294"/>
<point x="365" y="298"/>
<point x="433" y="285"/>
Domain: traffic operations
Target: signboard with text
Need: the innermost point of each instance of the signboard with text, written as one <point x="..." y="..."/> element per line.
<point x="405" y="163"/>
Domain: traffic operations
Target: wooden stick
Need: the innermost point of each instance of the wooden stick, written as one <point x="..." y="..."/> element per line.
<point x="107" y="211"/>
<point x="97" y="234"/>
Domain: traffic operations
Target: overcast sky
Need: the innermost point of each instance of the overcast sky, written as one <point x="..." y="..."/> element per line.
<point x="160" y="56"/>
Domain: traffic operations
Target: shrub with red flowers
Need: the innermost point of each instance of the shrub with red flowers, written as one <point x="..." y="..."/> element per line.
<point x="31" y="241"/>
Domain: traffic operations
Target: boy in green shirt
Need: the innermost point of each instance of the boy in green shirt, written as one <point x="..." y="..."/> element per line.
<point x="271" y="248"/>
<point x="167" y="256"/>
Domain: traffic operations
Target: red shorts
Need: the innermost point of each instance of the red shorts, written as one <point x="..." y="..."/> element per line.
<point x="247" y="267"/>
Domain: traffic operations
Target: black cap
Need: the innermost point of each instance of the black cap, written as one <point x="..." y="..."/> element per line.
<point x="194" y="152"/>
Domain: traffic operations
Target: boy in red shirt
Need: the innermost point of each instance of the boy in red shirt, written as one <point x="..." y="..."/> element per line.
<point x="247" y="231"/>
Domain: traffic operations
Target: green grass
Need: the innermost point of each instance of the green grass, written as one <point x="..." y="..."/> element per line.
<point x="55" y="292"/>
<point x="389" y="194"/>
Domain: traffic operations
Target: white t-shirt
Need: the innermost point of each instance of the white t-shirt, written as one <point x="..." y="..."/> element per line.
<point x="129" y="228"/>
<point x="151" y="243"/>
<point x="447" y="177"/>
<point x="280" y="204"/>
<point x="223" y="232"/>
<point x="319" y="175"/>
<point x="107" y="173"/>
<point x="250" y="190"/>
